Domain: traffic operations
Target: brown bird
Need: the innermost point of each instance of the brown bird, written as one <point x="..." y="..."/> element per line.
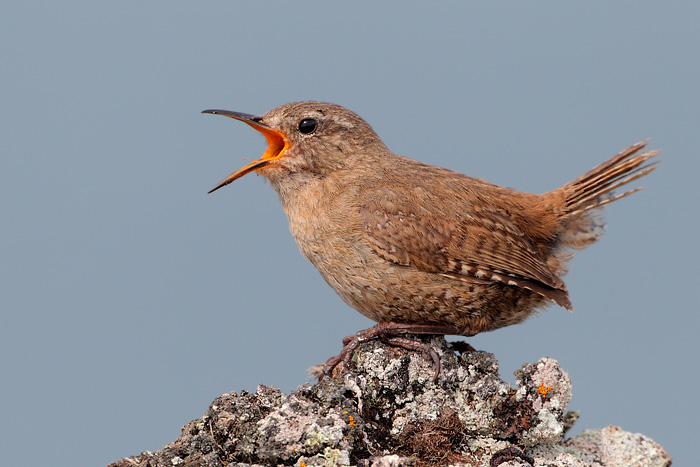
<point x="417" y="248"/>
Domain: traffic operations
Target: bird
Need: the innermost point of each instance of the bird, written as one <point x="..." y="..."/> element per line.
<point x="417" y="248"/>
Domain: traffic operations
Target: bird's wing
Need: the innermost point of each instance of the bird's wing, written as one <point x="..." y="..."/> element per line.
<point x="481" y="244"/>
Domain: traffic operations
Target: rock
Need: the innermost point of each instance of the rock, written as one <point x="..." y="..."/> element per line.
<point x="388" y="412"/>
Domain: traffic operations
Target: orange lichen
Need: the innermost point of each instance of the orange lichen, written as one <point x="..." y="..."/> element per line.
<point x="351" y="421"/>
<point x="542" y="389"/>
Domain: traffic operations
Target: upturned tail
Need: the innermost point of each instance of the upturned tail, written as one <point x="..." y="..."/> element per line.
<point x="580" y="199"/>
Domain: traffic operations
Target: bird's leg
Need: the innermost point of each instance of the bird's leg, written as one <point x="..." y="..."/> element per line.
<point x="425" y="349"/>
<point x="394" y="334"/>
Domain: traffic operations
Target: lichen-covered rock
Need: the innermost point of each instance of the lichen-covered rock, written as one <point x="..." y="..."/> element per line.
<point x="388" y="410"/>
<point x="610" y="446"/>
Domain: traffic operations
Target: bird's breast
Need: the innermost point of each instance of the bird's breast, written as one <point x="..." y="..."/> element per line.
<point x="322" y="221"/>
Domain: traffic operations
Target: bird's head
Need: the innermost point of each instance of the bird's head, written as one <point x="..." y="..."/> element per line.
<point x="306" y="139"/>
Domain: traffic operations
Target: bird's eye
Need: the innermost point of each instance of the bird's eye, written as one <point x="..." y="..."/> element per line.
<point x="308" y="125"/>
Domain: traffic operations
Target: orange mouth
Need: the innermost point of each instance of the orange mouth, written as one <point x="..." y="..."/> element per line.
<point x="276" y="144"/>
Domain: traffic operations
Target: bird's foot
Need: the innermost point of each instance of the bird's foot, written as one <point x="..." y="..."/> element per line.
<point x="394" y="334"/>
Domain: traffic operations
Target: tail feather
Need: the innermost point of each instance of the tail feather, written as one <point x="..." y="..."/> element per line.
<point x="578" y="200"/>
<point x="588" y="191"/>
<point x="634" y="175"/>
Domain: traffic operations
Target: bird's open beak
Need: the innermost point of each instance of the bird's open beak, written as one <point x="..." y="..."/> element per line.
<point x="276" y="144"/>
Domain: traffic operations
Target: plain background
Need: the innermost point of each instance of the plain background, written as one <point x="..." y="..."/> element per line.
<point x="130" y="298"/>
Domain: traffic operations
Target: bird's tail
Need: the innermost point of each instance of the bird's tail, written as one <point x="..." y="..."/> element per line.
<point x="580" y="198"/>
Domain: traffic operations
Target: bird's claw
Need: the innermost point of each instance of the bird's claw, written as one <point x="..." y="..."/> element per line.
<point x="391" y="333"/>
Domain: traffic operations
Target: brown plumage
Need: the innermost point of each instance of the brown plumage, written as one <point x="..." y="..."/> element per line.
<point x="425" y="247"/>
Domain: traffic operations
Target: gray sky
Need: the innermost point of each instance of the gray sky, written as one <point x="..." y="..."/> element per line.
<point x="129" y="298"/>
